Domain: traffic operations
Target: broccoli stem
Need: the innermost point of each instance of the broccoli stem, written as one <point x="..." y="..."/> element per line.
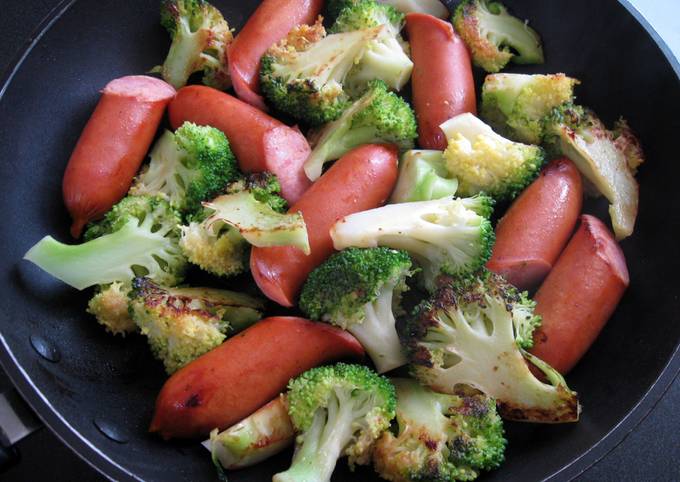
<point x="378" y="332"/>
<point x="331" y="430"/>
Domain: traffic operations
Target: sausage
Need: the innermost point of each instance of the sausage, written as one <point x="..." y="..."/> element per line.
<point x="230" y="382"/>
<point x="535" y="229"/>
<point x="112" y="146"/>
<point x="442" y="81"/>
<point x="271" y="22"/>
<point x="579" y="295"/>
<point x="362" y="179"/>
<point x="260" y="142"/>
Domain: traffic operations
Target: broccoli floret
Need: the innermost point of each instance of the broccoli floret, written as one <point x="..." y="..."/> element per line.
<point x="139" y="236"/>
<point x="466" y="334"/>
<point x="110" y="306"/>
<point x="607" y="159"/>
<point x="386" y="58"/>
<point x="448" y="235"/>
<point x="200" y="37"/>
<point x="218" y="247"/>
<point x="423" y="176"/>
<point x="441" y="437"/>
<point x="257" y="437"/>
<point x="484" y="161"/>
<point x="304" y="74"/>
<point x="182" y="324"/>
<point x="337" y="410"/>
<point x="495" y="37"/>
<point x="515" y="104"/>
<point x="190" y="166"/>
<point x="431" y="7"/>
<point x="359" y="290"/>
<point x="378" y="116"/>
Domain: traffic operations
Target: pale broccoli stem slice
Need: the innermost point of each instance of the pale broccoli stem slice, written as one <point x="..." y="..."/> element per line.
<point x="423" y="176"/>
<point x="259" y="436"/>
<point x="258" y="223"/>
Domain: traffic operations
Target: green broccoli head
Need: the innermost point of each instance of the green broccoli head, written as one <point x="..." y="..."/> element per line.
<point x="495" y="37"/>
<point x="359" y="290"/>
<point x="109" y="305"/>
<point x="265" y="188"/>
<point x="337" y="410"/>
<point x="363" y="14"/>
<point x="423" y="176"/>
<point x="190" y="166"/>
<point x="468" y="334"/>
<point x="138" y="237"/>
<point x="200" y="37"/>
<point x="516" y="104"/>
<point x="440" y="436"/>
<point x="182" y="324"/>
<point x="304" y="74"/>
<point x="448" y="235"/>
<point x="379" y="116"/>
<point x="484" y="161"/>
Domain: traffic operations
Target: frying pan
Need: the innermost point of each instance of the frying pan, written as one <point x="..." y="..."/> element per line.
<point x="96" y="392"/>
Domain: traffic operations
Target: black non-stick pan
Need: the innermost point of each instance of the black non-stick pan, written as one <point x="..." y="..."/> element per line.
<point x="96" y="391"/>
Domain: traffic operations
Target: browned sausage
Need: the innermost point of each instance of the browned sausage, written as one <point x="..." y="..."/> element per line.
<point x="260" y="142"/>
<point x="362" y="179"/>
<point x="112" y="146"/>
<point x="271" y="22"/>
<point x="533" y="232"/>
<point x="579" y="295"/>
<point x="442" y="81"/>
<point x="232" y="381"/>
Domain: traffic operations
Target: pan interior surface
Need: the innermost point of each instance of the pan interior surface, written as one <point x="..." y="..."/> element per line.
<point x="100" y="380"/>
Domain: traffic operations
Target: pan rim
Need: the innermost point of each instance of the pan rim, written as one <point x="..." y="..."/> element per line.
<point x="97" y="459"/>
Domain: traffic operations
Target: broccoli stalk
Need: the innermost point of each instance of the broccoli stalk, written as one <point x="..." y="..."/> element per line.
<point x="452" y="236"/>
<point x="495" y="37"/>
<point x="440" y="436"/>
<point x="378" y="116"/>
<point x="139" y="235"/>
<point x="423" y="176"/>
<point x="257" y="437"/>
<point x="337" y="410"/>
<point x="304" y="74"/>
<point x="486" y="162"/>
<point x="200" y="37"/>
<point x="182" y="324"/>
<point x="466" y="334"/>
<point x="358" y="290"/>
<point x="190" y="166"/>
<point x="385" y="58"/>
<point x="516" y="104"/>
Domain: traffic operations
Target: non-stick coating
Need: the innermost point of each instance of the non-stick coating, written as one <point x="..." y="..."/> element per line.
<point x="114" y="381"/>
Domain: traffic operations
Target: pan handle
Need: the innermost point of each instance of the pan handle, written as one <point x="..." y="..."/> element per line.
<point x="16" y="422"/>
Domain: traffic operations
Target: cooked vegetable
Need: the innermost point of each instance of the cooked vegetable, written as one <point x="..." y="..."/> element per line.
<point x="200" y="37"/>
<point x="431" y="7"/>
<point x="338" y="410"/>
<point x="516" y="104"/>
<point x="359" y="290"/>
<point x="448" y="235"/>
<point x="423" y="176"/>
<point x="469" y="333"/>
<point x="484" y="161"/>
<point x="138" y="236"/>
<point x="608" y="162"/>
<point x="441" y="437"/>
<point x="182" y="324"/>
<point x="190" y="166"/>
<point x="304" y="74"/>
<point x="378" y="116"/>
<point x="110" y="306"/>
<point x="386" y="58"/>
<point x="494" y="36"/>
<point x="255" y="438"/>
<point x="216" y="246"/>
